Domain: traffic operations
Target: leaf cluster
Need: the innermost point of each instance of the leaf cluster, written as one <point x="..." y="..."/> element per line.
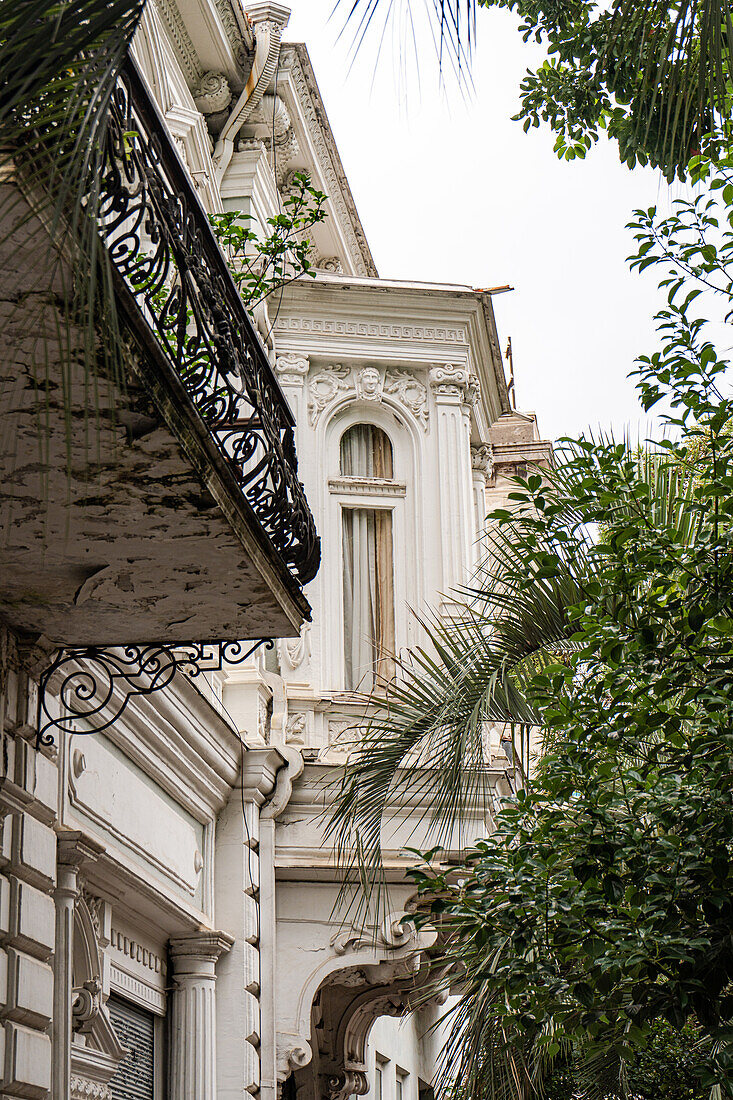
<point x="262" y="264"/>
<point x="602" y="903"/>
<point x="655" y="75"/>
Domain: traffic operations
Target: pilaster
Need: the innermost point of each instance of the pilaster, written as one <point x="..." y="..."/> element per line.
<point x="481" y="470"/>
<point x="193" y="1014"/>
<point x="292" y="371"/>
<point x="454" y="391"/>
<point x="74" y="850"/>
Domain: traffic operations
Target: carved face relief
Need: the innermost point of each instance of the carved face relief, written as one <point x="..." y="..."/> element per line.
<point x="369" y="384"/>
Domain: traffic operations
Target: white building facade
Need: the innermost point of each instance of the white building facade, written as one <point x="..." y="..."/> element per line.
<point x="168" y="920"/>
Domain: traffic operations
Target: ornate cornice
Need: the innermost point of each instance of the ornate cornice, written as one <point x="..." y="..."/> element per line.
<point x="295" y="58"/>
<point x="192" y="68"/>
<point x="232" y="30"/>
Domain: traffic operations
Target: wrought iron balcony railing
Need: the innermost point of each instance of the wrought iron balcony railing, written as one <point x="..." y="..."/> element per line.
<point x="162" y="245"/>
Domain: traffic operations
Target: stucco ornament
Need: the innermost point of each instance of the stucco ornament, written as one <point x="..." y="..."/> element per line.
<point x="323" y="386"/>
<point x="353" y="1082"/>
<point x="292" y="368"/>
<point x="449" y="381"/>
<point x="293" y="1052"/>
<point x="332" y="264"/>
<point x="213" y="93"/>
<point x="343" y="738"/>
<point x="482" y="459"/>
<point x="87" y="1004"/>
<point x="296" y="727"/>
<point x="410" y="392"/>
<point x="369" y="384"/>
<point x="295" y="651"/>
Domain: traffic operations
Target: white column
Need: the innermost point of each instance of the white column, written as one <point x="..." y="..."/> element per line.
<point x="481" y="467"/>
<point x="193" y="1014"/>
<point x="451" y="386"/>
<point x="292" y="370"/>
<point x="74" y="849"/>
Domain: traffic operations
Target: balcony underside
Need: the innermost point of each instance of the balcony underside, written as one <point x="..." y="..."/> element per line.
<point x="121" y="522"/>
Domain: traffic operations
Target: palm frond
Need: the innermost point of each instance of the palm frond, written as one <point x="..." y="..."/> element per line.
<point x="680" y="56"/>
<point x="60" y="63"/>
<point x="424" y="739"/>
<point x="452" y="23"/>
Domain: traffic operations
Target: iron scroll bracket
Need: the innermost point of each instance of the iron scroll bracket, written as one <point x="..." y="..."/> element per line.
<point x="97" y="682"/>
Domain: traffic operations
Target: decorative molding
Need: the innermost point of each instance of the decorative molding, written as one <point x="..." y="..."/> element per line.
<point x="295" y="59"/>
<point x="213" y="93"/>
<point x="413" y="394"/>
<point x="337" y="327"/>
<point x="352" y="1082"/>
<point x="482" y="459"/>
<point x="81" y="1089"/>
<point x="182" y="43"/>
<point x="323" y="386"/>
<point x="368" y="384"/>
<point x="395" y="934"/>
<point x="343" y="738"/>
<point x="292" y="368"/>
<point x="295" y="728"/>
<point x="293" y="1053"/>
<point x="263" y="721"/>
<point x="198" y="950"/>
<point x="140" y="992"/>
<point x="294" y="651"/>
<point x="449" y="381"/>
<point x="473" y="391"/>
<point x="232" y="30"/>
<point x="86" y="1004"/>
<point x="367" y="486"/>
<point x="331" y="264"/>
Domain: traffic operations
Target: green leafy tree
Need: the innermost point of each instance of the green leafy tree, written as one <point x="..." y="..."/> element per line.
<point x="655" y="74"/>
<point x="603" y="901"/>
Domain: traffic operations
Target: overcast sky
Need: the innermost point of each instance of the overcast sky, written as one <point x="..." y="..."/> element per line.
<point x="450" y="189"/>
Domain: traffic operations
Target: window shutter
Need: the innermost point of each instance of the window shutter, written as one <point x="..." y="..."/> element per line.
<point x="135" y="1027"/>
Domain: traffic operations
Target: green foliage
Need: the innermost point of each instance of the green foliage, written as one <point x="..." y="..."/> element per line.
<point x="665" y="1069"/>
<point x="601" y="907"/>
<point x="60" y="63"/>
<point x="261" y="265"/>
<point x="602" y="904"/>
<point x="655" y="74"/>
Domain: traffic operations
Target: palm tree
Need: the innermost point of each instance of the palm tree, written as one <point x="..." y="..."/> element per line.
<point x="425" y="735"/>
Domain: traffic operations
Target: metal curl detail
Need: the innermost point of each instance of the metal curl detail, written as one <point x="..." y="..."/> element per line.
<point x="160" y="242"/>
<point x="97" y="683"/>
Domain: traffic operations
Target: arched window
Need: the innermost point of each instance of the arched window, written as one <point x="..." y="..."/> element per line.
<point x="366" y="452"/>
<point x="369" y="622"/>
